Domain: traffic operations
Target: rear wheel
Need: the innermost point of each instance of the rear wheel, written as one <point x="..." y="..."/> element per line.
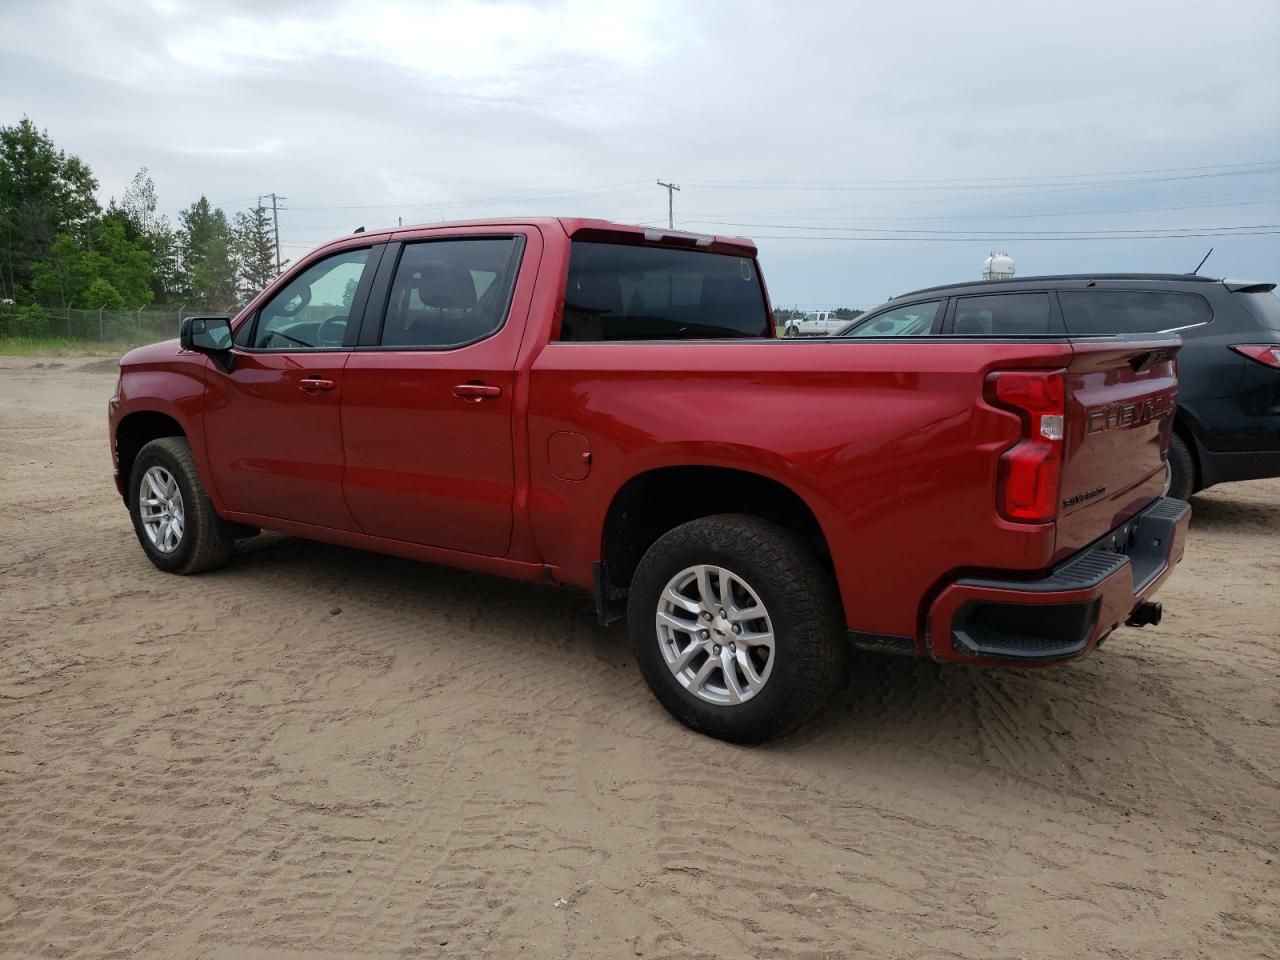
<point x="1180" y="471"/>
<point x="736" y="627"/>
<point x="172" y="517"/>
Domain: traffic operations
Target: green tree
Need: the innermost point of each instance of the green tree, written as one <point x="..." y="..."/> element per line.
<point x="256" y="250"/>
<point x="208" y="270"/>
<point x="106" y="270"/>
<point x="128" y="265"/>
<point x="847" y="313"/>
<point x="44" y="193"/>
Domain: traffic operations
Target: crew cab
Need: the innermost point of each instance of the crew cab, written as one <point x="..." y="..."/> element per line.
<point x="608" y="407"/>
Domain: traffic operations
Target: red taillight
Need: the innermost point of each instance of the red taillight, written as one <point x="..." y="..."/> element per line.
<point x="1268" y="353"/>
<point x="1029" y="471"/>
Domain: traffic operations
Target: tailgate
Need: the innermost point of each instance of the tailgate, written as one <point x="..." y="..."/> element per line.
<point x="1121" y="395"/>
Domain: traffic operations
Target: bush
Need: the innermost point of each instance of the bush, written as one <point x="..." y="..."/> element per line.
<point x="30" y="321"/>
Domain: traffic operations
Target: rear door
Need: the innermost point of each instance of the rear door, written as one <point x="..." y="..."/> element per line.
<point x="1120" y="399"/>
<point x="429" y="391"/>
<point x="1031" y="313"/>
<point x="271" y="419"/>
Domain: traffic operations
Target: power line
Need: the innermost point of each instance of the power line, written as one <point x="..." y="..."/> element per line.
<point x="1059" y="176"/>
<point x="927" y="201"/>
<point x="972" y="239"/>
<point x="1033" y="216"/>
<point x="584" y="192"/>
<point x="1188" y="173"/>
<point x="992" y="233"/>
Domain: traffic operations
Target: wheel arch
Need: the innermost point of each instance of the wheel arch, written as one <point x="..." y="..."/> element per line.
<point x="1185" y="431"/>
<point x="134" y="431"/>
<point x="655" y="501"/>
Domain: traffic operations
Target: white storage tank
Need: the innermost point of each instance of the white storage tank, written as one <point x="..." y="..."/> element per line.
<point x="998" y="266"/>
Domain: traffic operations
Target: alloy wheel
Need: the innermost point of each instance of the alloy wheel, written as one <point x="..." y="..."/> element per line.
<point x="161" y="509"/>
<point x="715" y="635"/>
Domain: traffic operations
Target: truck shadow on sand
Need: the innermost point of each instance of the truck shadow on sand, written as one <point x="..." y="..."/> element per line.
<point x="1214" y="514"/>
<point x="884" y="704"/>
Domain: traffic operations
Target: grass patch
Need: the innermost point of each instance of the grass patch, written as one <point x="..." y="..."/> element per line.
<point x="61" y="347"/>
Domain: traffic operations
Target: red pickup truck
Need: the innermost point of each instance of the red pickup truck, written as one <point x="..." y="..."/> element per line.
<point x="604" y="406"/>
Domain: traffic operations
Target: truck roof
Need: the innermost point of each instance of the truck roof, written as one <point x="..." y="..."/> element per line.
<point x="585" y="227"/>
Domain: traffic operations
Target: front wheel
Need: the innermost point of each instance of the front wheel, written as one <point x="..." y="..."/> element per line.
<point x="172" y="517"/>
<point x="736" y="627"/>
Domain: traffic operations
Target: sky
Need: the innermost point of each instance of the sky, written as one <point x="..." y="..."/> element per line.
<point x="869" y="149"/>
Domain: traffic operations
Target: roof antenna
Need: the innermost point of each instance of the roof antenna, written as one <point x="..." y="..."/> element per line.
<point x="361" y="230"/>
<point x="1201" y="264"/>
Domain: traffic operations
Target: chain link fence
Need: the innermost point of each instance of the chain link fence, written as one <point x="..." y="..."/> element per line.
<point x="156" y="322"/>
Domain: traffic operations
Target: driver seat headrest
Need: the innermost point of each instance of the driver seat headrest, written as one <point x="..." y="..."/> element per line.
<point x="446" y="286"/>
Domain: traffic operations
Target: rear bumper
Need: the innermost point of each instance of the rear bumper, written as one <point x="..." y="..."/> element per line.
<point x="1067" y="613"/>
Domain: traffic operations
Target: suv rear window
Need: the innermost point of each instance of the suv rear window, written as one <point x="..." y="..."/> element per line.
<point x="1106" y="312"/>
<point x="623" y="292"/>
<point x="1266" y="307"/>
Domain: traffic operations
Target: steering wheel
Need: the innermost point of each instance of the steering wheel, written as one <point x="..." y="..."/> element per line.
<point x="331" y="331"/>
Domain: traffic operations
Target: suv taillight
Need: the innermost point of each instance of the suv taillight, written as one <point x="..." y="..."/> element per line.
<point x="1029" y="471"/>
<point x="1268" y="353"/>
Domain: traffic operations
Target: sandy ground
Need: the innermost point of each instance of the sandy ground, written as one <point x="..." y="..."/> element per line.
<point x="228" y="766"/>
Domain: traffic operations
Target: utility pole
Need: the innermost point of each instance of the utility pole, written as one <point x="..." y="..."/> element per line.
<point x="671" y="187"/>
<point x="275" y="220"/>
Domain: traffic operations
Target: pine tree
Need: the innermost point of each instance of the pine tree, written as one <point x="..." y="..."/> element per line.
<point x="256" y="250"/>
<point x="208" y="267"/>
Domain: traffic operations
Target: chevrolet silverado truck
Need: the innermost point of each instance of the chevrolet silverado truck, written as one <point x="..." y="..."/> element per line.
<point x="608" y="407"/>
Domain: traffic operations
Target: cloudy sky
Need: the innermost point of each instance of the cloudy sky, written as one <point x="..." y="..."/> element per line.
<point x="870" y="148"/>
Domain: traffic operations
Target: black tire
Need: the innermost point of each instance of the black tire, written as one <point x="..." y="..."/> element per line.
<point x="1182" y="470"/>
<point x="203" y="544"/>
<point x="810" y="643"/>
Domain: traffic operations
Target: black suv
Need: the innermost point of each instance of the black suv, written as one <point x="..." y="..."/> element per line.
<point x="1227" y="425"/>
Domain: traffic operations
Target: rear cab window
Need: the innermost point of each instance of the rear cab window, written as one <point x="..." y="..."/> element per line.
<point x="1099" y="313"/>
<point x="632" y="292"/>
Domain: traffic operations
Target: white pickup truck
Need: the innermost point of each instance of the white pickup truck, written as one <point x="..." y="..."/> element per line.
<point x="815" y="323"/>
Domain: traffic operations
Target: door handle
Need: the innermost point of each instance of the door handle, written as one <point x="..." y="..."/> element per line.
<point x="475" y="392"/>
<point x="314" y="384"/>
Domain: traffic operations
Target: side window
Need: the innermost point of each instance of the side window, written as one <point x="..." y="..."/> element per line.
<point x="1002" y="315"/>
<point x="448" y="293"/>
<point x="312" y="311"/>
<point x="1105" y="312"/>
<point x="913" y="320"/>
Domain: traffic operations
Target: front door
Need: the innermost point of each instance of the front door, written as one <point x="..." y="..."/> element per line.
<point x="428" y="395"/>
<point x="272" y="420"/>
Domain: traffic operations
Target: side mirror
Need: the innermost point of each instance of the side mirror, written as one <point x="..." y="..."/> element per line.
<point x="206" y="334"/>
